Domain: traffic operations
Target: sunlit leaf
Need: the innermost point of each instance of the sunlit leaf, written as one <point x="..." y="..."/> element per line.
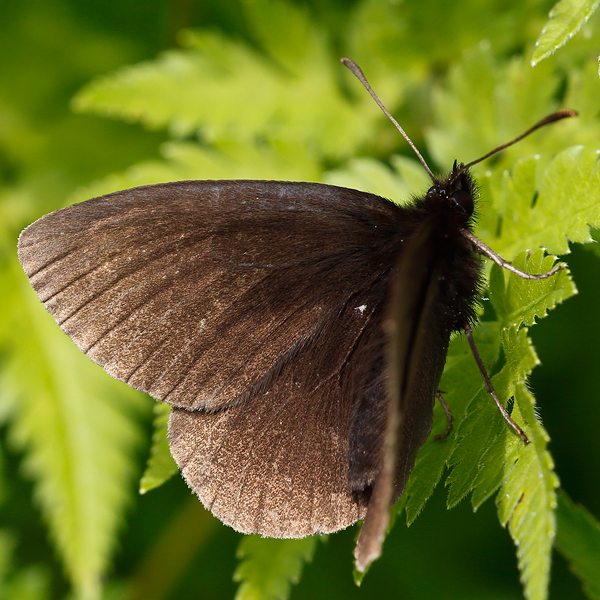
<point x="269" y="567"/>
<point x="566" y="19"/>
<point x="161" y="465"/>
<point x="519" y="301"/>
<point x="198" y="89"/>
<point x="558" y="205"/>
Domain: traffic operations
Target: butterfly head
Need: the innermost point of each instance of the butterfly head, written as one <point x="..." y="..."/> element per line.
<point x="454" y="195"/>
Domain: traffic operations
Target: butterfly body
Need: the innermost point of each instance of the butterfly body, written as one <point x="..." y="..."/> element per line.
<point x="258" y="310"/>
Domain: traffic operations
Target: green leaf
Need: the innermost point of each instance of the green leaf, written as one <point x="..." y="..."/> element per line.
<point x="519" y="301"/>
<point x="270" y="567"/>
<point x="527" y="498"/>
<point x="161" y="465"/>
<point x="566" y="19"/>
<point x="526" y="502"/>
<point x="548" y="209"/>
<point x="578" y="540"/>
<point x="461" y="383"/>
<point x="480" y="435"/>
<point x="198" y="89"/>
<point x="370" y="175"/>
<point x="78" y="429"/>
<point x="489" y="454"/>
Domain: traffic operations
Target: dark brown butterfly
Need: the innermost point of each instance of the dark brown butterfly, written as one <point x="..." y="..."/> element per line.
<point x="298" y="330"/>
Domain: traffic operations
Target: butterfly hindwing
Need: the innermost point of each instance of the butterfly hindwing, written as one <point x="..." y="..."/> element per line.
<point x="277" y="464"/>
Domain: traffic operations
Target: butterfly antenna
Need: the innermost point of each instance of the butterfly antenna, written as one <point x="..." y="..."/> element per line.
<point x="361" y="77"/>
<point x="557" y="116"/>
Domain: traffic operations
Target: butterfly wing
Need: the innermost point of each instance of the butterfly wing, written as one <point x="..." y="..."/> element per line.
<point x="416" y="352"/>
<point x="245" y="305"/>
<point x="278" y="465"/>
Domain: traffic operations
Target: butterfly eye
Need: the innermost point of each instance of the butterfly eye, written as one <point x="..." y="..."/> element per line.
<point x="465" y="200"/>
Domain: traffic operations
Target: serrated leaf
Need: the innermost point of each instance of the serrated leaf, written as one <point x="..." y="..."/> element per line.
<point x="483" y="435"/>
<point x="480" y="458"/>
<point x="78" y="430"/>
<point x="519" y="301"/>
<point x="561" y="206"/>
<point x="161" y="465"/>
<point x="269" y="567"/>
<point x="578" y="540"/>
<point x="566" y="19"/>
<point x="526" y="498"/>
<point x="198" y="89"/>
<point x="530" y="492"/>
<point x="461" y="382"/>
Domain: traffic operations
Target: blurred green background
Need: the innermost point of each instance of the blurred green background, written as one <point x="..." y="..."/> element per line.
<point x="163" y="544"/>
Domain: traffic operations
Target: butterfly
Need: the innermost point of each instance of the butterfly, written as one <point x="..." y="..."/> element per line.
<point x="298" y="330"/>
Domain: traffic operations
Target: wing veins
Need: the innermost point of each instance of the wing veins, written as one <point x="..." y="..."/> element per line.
<point x="119" y="278"/>
<point x="256" y="441"/>
<point x="150" y="297"/>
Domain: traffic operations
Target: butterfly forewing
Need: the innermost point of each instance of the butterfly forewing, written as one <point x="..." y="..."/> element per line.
<point x="184" y="289"/>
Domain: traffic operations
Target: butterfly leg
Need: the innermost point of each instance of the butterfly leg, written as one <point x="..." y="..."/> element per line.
<point x="501" y="262"/>
<point x="488" y="384"/>
<point x="441" y="436"/>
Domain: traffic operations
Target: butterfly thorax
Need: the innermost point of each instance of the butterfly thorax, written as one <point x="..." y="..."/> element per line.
<point x="447" y="211"/>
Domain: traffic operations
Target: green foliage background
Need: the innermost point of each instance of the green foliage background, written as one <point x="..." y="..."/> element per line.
<point x="254" y="88"/>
